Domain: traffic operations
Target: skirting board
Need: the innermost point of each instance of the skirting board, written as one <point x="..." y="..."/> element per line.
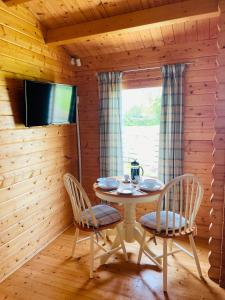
<point x="35" y="253"/>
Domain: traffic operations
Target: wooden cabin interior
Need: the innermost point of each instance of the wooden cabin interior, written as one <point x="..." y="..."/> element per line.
<point x="71" y="42"/>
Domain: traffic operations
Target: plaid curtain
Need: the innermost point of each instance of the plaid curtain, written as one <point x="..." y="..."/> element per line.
<point x="111" y="153"/>
<point x="171" y="123"/>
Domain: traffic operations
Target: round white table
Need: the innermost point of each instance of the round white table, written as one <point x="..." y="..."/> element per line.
<point x="131" y="230"/>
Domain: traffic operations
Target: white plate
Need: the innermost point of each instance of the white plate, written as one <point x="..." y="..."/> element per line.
<point x="105" y="179"/>
<point x="108" y="185"/>
<point x="108" y="181"/>
<point x="100" y="179"/>
<point x="125" y="191"/>
<point x="150" y="185"/>
<point x="146" y="188"/>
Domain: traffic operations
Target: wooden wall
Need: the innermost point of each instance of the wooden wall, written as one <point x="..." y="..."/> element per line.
<point x="199" y="116"/>
<point x="220" y="118"/>
<point x="217" y="214"/>
<point x="34" y="207"/>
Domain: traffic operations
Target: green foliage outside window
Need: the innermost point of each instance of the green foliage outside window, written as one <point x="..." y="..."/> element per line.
<point x="144" y="115"/>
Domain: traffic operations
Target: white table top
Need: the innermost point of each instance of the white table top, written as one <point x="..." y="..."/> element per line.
<point x="137" y="196"/>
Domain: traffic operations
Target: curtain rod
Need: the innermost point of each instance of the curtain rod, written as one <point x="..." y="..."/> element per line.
<point x="150" y="68"/>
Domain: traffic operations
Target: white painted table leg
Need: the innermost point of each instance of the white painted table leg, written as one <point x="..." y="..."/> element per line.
<point x="129" y="222"/>
<point x="127" y="228"/>
<point x="130" y="231"/>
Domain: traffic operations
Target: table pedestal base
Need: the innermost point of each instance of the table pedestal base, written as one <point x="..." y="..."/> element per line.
<point x="131" y="231"/>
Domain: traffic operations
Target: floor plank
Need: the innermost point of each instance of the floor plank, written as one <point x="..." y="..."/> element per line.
<point x="52" y="274"/>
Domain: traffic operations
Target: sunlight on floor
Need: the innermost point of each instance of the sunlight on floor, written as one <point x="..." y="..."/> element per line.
<point x="53" y="274"/>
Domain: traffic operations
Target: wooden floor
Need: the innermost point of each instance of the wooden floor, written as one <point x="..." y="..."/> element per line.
<point x="52" y="274"/>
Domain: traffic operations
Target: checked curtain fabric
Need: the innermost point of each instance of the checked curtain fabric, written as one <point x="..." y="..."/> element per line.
<point x="111" y="152"/>
<point x="171" y="124"/>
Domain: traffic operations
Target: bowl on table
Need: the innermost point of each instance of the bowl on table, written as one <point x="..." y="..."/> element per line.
<point x="108" y="183"/>
<point x="150" y="185"/>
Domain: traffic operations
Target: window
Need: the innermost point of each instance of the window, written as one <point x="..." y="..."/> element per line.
<point x="141" y="121"/>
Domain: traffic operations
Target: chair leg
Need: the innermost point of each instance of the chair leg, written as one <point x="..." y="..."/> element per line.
<point x="92" y="255"/>
<point x="165" y="265"/>
<point x="141" y="247"/>
<point x="122" y="242"/>
<point x="104" y="233"/>
<point x="170" y="245"/>
<point x="75" y="242"/>
<point x="192" y="242"/>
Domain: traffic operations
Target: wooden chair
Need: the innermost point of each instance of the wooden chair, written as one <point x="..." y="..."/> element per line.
<point x="92" y="219"/>
<point x="180" y="200"/>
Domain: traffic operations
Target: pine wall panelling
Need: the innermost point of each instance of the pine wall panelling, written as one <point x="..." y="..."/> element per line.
<point x="217" y="214"/>
<point x="34" y="207"/>
<point x="199" y="116"/>
<point x="32" y="161"/>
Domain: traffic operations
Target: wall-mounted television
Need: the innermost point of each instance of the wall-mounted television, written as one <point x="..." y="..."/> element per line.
<point x="49" y="103"/>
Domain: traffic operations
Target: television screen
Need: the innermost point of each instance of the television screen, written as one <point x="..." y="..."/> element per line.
<point x="49" y="103"/>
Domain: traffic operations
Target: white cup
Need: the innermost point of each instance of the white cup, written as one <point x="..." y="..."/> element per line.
<point x="137" y="179"/>
<point x="126" y="178"/>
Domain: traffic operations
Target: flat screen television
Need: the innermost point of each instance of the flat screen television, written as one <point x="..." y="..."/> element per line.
<point x="49" y="103"/>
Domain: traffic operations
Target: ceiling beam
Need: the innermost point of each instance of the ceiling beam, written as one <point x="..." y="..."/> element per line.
<point x="147" y="18"/>
<point x="14" y="2"/>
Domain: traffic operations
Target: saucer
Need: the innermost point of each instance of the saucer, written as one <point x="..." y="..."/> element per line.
<point x="125" y="191"/>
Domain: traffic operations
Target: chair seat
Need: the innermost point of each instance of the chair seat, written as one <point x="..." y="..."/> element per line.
<point x="149" y="221"/>
<point x="104" y="214"/>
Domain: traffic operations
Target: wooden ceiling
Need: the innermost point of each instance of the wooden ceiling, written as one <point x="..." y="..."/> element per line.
<point x="57" y="13"/>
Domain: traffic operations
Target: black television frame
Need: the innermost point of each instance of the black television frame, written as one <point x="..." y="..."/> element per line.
<point x="72" y="113"/>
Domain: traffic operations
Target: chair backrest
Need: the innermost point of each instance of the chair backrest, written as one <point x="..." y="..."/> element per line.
<point x="81" y="205"/>
<point x="181" y="196"/>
